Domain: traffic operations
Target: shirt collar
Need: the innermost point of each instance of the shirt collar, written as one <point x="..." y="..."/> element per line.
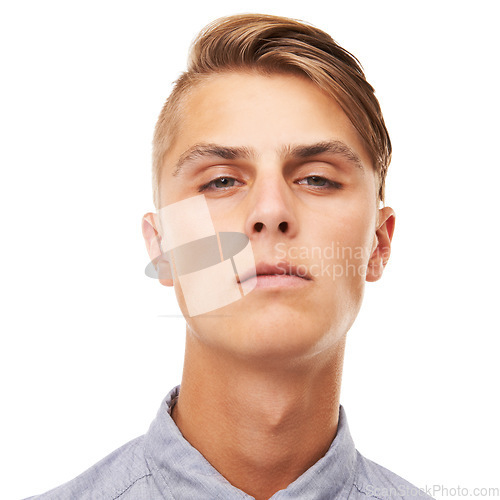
<point x="183" y="472"/>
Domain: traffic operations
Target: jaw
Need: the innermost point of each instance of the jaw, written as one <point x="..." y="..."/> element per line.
<point x="271" y="326"/>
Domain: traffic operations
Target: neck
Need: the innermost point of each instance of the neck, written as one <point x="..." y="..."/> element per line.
<point x="260" y="426"/>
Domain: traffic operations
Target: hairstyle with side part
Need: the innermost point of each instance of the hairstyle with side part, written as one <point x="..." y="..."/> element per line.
<point x="272" y="44"/>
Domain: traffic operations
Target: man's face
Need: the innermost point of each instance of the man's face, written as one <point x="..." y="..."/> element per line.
<point x="295" y="177"/>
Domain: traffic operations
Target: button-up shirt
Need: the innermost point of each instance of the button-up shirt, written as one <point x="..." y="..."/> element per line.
<point x="163" y="465"/>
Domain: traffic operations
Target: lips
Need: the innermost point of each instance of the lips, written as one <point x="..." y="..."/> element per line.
<point x="278" y="269"/>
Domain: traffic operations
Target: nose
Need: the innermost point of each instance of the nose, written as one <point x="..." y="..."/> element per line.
<point x="271" y="211"/>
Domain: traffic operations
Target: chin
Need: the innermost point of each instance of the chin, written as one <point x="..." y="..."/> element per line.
<point x="274" y="332"/>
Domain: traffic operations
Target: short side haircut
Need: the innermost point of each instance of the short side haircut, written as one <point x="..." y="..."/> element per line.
<point x="277" y="45"/>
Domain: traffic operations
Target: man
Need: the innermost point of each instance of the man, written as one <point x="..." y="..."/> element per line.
<point x="270" y="158"/>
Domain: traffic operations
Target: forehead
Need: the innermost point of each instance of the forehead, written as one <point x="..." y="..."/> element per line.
<point x="262" y="112"/>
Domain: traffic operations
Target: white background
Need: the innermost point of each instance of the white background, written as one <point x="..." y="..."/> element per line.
<point x="87" y="353"/>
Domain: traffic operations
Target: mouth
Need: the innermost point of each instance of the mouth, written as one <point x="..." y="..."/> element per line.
<point x="281" y="274"/>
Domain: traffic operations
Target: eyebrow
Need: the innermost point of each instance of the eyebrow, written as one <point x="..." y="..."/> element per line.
<point x="202" y="150"/>
<point x="333" y="147"/>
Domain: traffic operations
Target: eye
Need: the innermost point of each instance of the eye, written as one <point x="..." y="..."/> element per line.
<point x="218" y="183"/>
<point x="321" y="182"/>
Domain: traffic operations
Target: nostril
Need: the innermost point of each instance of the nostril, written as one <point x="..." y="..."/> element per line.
<point x="258" y="226"/>
<point x="283" y="227"/>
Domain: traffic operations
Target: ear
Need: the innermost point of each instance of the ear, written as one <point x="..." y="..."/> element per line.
<point x="381" y="249"/>
<point x="152" y="239"/>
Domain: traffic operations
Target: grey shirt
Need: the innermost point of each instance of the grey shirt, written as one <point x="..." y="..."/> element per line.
<point x="163" y="465"/>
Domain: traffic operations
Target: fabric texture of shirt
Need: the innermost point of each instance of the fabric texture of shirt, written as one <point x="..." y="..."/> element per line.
<point x="163" y="465"/>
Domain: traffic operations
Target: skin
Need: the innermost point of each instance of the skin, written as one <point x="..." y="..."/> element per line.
<point x="261" y="379"/>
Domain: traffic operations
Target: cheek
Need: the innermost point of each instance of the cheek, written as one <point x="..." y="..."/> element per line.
<point x="352" y="231"/>
<point x="344" y="241"/>
<point x="170" y="192"/>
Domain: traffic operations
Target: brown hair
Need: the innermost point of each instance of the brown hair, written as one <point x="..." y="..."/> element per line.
<point x="272" y="44"/>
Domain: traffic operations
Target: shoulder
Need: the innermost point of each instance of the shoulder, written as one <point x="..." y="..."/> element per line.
<point x="122" y="474"/>
<point x="372" y="481"/>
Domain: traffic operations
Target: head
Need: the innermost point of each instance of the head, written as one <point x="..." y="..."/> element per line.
<point x="284" y="118"/>
<point x="276" y="45"/>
